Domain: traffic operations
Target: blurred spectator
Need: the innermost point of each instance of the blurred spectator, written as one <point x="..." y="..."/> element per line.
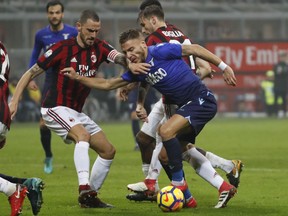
<point x="281" y="84"/>
<point x="267" y="93"/>
<point x="29" y="106"/>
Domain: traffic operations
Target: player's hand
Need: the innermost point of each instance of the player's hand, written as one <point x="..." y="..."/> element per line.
<point x="141" y="113"/>
<point x="229" y="77"/>
<point x="32" y="85"/>
<point x="70" y="72"/>
<point x="139" y="68"/>
<point x="13" y="106"/>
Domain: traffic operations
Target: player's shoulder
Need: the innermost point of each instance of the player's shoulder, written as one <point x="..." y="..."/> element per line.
<point x="103" y="43"/>
<point x="70" y="27"/>
<point x="100" y="41"/>
<point x="43" y="30"/>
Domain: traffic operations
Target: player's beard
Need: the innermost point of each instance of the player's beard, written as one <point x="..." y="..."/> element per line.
<point x="55" y="23"/>
<point x="84" y="40"/>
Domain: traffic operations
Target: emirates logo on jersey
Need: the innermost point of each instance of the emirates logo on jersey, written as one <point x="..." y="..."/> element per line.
<point x="93" y="58"/>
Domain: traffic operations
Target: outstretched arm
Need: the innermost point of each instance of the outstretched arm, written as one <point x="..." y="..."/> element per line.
<point x="201" y="52"/>
<point x="34" y="71"/>
<point x="140" y="109"/>
<point x="98" y="83"/>
<point x="135" y="68"/>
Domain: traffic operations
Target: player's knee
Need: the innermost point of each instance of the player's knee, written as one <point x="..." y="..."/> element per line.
<point x="165" y="132"/>
<point x="108" y="153"/>
<point x="144" y="140"/>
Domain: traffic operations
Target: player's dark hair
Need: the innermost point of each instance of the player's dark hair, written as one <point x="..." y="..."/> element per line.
<point x="130" y="34"/>
<point x="152" y="10"/>
<point x="88" y="14"/>
<point x="147" y="3"/>
<point x="53" y="3"/>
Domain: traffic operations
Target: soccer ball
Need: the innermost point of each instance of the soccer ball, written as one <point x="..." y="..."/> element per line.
<point x="170" y="199"/>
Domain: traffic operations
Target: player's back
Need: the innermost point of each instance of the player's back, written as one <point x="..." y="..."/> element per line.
<point x="170" y="34"/>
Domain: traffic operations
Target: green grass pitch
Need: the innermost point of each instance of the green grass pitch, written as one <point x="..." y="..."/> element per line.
<point x="261" y="144"/>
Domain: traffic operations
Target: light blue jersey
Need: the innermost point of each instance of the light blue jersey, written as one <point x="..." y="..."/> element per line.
<point x="170" y="75"/>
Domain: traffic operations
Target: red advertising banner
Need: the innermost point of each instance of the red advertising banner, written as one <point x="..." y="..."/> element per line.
<point x="248" y="56"/>
<point x="244" y="81"/>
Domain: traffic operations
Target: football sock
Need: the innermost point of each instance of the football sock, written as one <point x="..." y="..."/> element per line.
<point x="82" y="162"/>
<point x="204" y="168"/>
<point x="13" y="179"/>
<point x="221" y="163"/>
<point x="177" y="178"/>
<point x="99" y="172"/>
<point x="187" y="194"/>
<point x="45" y="135"/>
<point x="174" y="153"/>
<point x="145" y="169"/>
<point x="167" y="170"/>
<point x="7" y="187"/>
<point x="155" y="166"/>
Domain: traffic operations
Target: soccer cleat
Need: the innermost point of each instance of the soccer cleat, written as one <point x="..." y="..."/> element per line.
<point x="234" y="175"/>
<point x="182" y="187"/>
<point x="16" y="199"/>
<point x="226" y="192"/>
<point x="48" y="167"/>
<point x="35" y="187"/>
<point x="190" y="203"/>
<point x="150" y="186"/>
<point x="2" y="143"/>
<point x="88" y="199"/>
<point x="142" y="196"/>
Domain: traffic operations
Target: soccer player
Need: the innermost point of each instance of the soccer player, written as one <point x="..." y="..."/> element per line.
<point x="44" y="38"/>
<point x="151" y="18"/>
<point x="62" y="105"/>
<point x="150" y="101"/>
<point x="15" y="188"/>
<point x="172" y="77"/>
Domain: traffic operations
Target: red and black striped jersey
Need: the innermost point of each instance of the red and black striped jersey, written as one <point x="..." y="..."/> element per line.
<point x="170" y="34"/>
<point x="4" y="88"/>
<point x="85" y="61"/>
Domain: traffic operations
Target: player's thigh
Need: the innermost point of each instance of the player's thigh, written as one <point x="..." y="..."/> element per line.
<point x="154" y="118"/>
<point x="100" y="144"/>
<point x="173" y="126"/>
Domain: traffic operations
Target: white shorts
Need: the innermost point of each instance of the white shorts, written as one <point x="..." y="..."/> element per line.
<point x="61" y="119"/>
<point x="3" y="131"/>
<point x="160" y="113"/>
<point x="154" y="118"/>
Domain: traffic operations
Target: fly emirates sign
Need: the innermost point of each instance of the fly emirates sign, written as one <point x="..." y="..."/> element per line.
<point x="249" y="56"/>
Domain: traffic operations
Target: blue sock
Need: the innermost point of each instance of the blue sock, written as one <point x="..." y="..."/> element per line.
<point x="177" y="176"/>
<point x="187" y="194"/>
<point x="174" y="153"/>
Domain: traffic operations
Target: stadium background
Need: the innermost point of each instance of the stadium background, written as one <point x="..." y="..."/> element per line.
<point x="247" y="34"/>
